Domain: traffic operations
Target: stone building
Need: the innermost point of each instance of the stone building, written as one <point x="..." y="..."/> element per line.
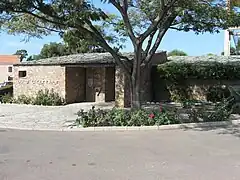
<point x="90" y="77"/>
<point x="6" y="67"/>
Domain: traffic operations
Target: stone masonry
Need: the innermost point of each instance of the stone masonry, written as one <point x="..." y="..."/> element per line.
<point x="39" y="78"/>
<point x="74" y="84"/>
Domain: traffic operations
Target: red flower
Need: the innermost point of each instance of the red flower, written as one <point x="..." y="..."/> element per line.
<point x="151" y="116"/>
<point x="160" y="109"/>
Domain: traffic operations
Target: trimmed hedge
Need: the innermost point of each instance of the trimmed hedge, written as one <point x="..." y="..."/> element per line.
<point x="179" y="71"/>
<point x="179" y="74"/>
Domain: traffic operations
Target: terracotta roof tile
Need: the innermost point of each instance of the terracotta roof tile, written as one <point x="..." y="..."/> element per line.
<point x="9" y="59"/>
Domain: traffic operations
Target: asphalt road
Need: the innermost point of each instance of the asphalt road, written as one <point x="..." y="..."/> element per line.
<point x="133" y="155"/>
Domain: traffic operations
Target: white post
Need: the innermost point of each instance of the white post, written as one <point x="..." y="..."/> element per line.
<point x="227" y="40"/>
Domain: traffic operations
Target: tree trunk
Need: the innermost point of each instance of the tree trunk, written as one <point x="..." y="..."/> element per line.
<point x="135" y="91"/>
<point x="135" y="86"/>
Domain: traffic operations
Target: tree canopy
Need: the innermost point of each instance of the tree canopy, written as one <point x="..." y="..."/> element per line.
<point x="143" y="22"/>
<point x="23" y="54"/>
<point x="177" y="52"/>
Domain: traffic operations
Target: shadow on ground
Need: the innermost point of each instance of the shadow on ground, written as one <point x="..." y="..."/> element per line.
<point x="228" y="128"/>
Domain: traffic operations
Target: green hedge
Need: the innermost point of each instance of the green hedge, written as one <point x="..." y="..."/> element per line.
<point x="175" y="72"/>
<point x="179" y="74"/>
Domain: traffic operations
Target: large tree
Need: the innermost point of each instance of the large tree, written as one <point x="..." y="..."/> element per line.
<point x="144" y="22"/>
<point x="22" y="53"/>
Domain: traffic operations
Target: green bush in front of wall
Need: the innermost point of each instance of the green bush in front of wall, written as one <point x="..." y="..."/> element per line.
<point x="178" y="73"/>
<point x="48" y="98"/>
<point x="43" y="97"/>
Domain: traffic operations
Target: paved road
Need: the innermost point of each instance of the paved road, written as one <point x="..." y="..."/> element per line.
<point x="138" y="155"/>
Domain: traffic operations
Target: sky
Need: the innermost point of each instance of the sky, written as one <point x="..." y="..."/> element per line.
<point x="189" y="42"/>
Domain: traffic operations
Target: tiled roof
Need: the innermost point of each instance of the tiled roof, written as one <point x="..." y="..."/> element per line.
<point x="81" y="59"/>
<point x="84" y="58"/>
<point x="9" y="59"/>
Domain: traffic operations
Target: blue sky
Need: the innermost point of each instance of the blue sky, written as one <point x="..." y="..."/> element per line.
<point x="187" y="41"/>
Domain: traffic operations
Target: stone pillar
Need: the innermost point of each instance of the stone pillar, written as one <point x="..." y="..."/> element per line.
<point x="122" y="89"/>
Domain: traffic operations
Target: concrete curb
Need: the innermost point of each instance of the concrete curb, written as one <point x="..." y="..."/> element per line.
<point x="133" y="128"/>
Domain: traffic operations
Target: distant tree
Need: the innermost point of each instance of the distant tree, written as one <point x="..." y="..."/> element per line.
<point x="177" y="52"/>
<point x="23" y="54"/>
<point x="211" y="54"/>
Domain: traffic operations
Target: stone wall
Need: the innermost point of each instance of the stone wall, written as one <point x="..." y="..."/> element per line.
<point x="75" y="84"/>
<point x="39" y="78"/>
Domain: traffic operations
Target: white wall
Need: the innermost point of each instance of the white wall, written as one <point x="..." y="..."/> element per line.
<point x="4" y="73"/>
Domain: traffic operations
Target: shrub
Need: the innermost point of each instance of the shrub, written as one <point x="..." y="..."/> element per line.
<point x="149" y="117"/>
<point x="123" y="117"/>
<point x="23" y="99"/>
<point x="8" y="89"/>
<point x="217" y="93"/>
<point x="93" y="118"/>
<point x="7" y="98"/>
<point x="48" y="98"/>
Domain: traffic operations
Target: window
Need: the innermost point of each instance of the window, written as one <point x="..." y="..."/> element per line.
<point x="22" y="74"/>
<point x="10" y="78"/>
<point x="10" y="69"/>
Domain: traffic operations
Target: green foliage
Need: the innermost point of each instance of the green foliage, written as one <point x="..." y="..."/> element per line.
<point x="150" y="117"/>
<point x="45" y="98"/>
<point x="220" y="112"/>
<point x="177" y="52"/>
<point x="23" y="99"/>
<point x="124" y="117"/>
<point x="217" y="93"/>
<point x="6" y="98"/>
<point x="23" y="54"/>
<point x="177" y="72"/>
<point x="48" y="98"/>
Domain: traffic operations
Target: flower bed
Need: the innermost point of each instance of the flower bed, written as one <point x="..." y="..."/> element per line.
<point x="150" y="117"/>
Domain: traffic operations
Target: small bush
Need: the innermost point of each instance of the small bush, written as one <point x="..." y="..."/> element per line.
<point x="23" y="99"/>
<point x="7" y="98"/>
<point x="217" y="93"/>
<point x="45" y="98"/>
<point x="48" y="98"/>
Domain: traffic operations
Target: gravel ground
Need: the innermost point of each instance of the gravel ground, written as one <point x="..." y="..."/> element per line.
<point x="42" y="117"/>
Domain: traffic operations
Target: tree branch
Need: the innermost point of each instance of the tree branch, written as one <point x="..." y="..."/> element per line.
<point x="158" y="40"/>
<point x="149" y="43"/>
<point x="105" y="45"/>
<point x="157" y="20"/>
<point x="124" y="14"/>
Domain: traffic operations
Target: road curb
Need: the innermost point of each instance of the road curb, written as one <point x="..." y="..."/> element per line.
<point x="133" y="128"/>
